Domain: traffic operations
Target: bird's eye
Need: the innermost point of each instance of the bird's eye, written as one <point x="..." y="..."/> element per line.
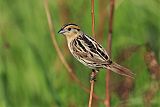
<point x="69" y="29"/>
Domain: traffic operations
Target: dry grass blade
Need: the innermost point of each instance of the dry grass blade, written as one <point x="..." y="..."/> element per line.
<point x="152" y="63"/>
<point x="154" y="70"/>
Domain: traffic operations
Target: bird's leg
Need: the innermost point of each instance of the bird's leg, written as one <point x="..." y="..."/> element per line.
<point x="93" y="75"/>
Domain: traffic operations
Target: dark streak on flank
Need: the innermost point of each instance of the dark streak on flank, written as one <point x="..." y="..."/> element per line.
<point x="99" y="45"/>
<point x="95" y="49"/>
<point x="106" y="57"/>
<point x="79" y="43"/>
<point x="90" y="44"/>
<point x="85" y="38"/>
<point x="94" y="41"/>
<point x="102" y="53"/>
<point x="91" y="38"/>
<point x="74" y="44"/>
<point x="91" y="54"/>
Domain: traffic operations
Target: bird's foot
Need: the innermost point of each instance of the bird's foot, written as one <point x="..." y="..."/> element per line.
<point x="92" y="78"/>
<point x="93" y="75"/>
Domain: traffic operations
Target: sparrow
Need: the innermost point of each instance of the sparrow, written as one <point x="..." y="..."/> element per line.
<point x="89" y="52"/>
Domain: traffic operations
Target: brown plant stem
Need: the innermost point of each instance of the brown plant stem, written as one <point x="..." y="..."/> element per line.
<point x="154" y="70"/>
<point x="109" y="44"/>
<point x="65" y="12"/>
<point x="102" y="15"/>
<point x="93" y="74"/>
<point x="93" y="20"/>
<point x="60" y="55"/>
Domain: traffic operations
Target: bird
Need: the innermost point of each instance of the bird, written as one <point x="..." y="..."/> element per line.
<point x="89" y="52"/>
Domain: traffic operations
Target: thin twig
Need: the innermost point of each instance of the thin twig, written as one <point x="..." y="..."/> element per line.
<point x="93" y="20"/>
<point x="60" y="55"/>
<point x="102" y="15"/>
<point x="109" y="44"/>
<point x="93" y="74"/>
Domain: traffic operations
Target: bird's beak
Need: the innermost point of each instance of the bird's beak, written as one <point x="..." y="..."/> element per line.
<point x="61" y="31"/>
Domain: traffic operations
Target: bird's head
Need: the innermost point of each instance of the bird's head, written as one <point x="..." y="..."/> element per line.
<point x="69" y="30"/>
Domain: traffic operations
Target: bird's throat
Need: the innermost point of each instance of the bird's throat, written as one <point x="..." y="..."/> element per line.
<point x="71" y="37"/>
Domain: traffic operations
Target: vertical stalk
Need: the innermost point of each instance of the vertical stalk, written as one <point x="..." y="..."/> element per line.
<point x="109" y="45"/>
<point x="93" y="74"/>
<point x="92" y="82"/>
<point x="93" y="20"/>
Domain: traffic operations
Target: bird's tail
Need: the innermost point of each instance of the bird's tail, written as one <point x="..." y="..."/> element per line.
<point x="120" y="70"/>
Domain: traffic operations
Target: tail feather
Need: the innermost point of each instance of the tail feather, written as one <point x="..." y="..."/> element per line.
<point x="120" y="70"/>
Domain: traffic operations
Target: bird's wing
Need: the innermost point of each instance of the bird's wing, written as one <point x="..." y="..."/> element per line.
<point x="87" y="49"/>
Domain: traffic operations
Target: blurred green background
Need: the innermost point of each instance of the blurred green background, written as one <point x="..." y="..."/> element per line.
<point x="32" y="75"/>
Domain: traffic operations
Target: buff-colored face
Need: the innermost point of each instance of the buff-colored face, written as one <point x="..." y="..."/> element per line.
<point x="69" y="30"/>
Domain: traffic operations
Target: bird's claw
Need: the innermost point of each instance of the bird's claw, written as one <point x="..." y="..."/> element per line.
<point x="92" y="78"/>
